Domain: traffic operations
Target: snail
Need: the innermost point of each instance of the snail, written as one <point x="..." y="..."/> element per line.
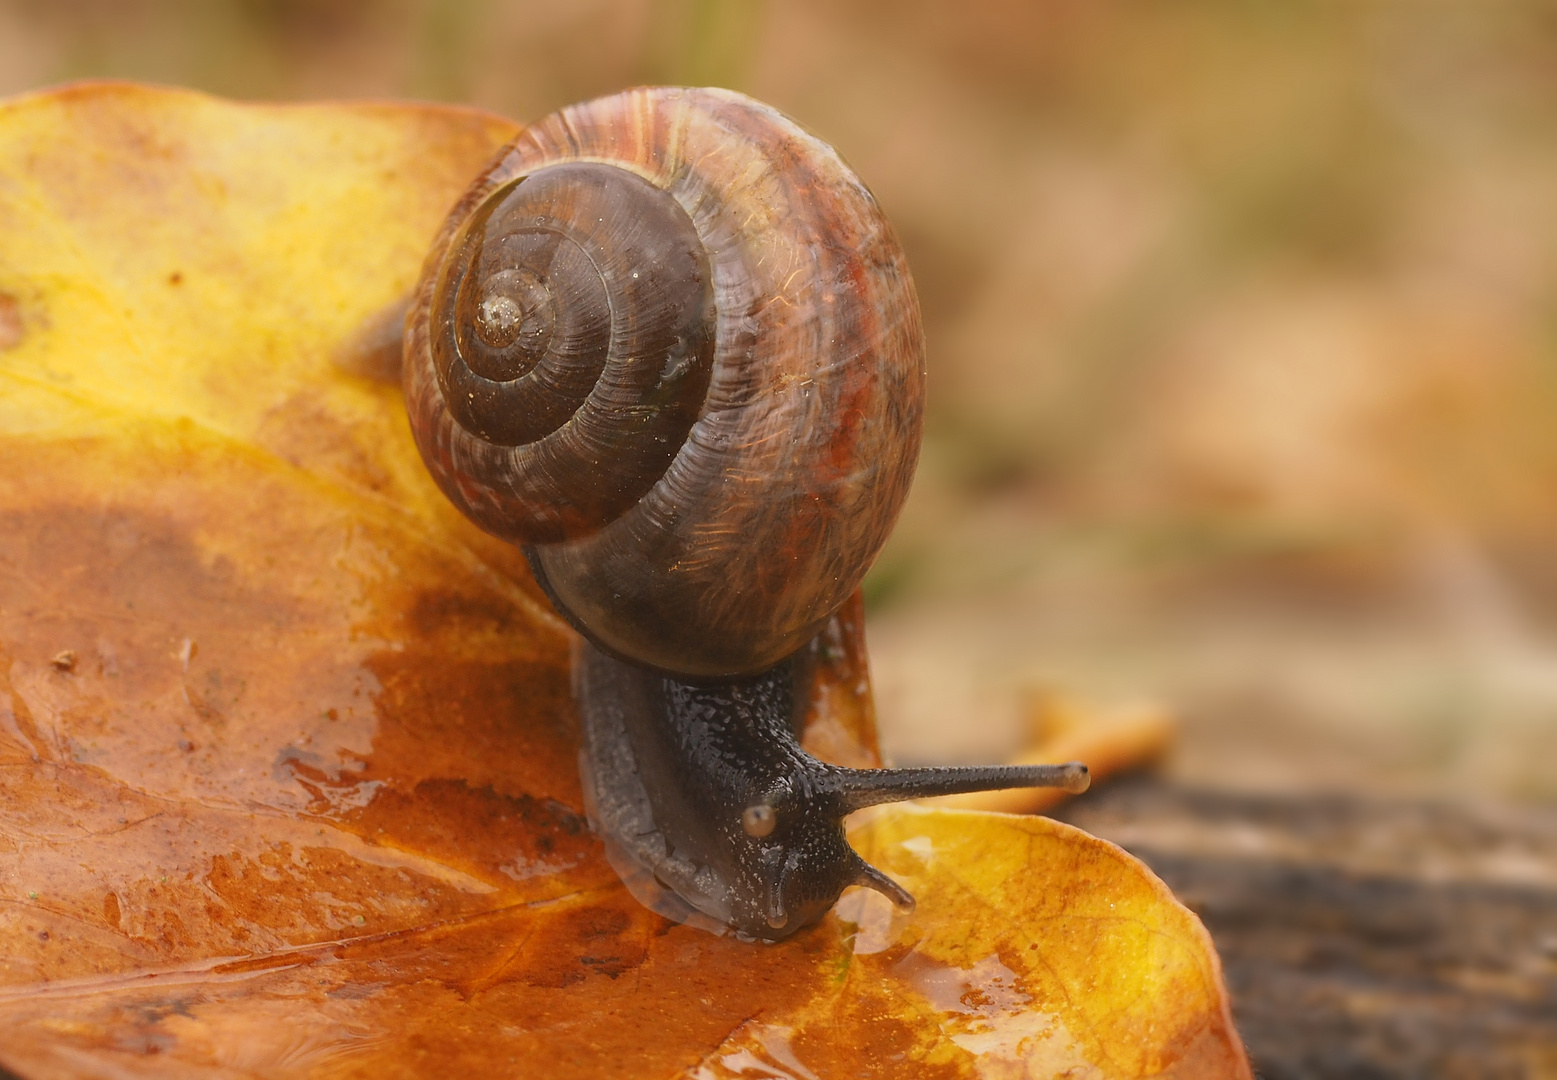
<point x="668" y="344"/>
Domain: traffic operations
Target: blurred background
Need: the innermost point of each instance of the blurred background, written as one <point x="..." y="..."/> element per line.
<point x="1242" y="320"/>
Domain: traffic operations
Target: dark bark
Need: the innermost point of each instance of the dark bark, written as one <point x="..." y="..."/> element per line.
<point x="1362" y="938"/>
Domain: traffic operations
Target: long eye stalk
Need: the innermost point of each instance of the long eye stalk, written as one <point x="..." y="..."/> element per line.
<point x="870" y="787"/>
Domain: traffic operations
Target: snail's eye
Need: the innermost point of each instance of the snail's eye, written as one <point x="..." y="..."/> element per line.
<point x="759" y="820"/>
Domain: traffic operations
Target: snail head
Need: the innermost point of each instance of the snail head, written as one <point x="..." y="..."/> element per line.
<point x="707" y="783"/>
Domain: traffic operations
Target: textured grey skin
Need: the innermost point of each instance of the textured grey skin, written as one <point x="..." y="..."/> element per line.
<point x="619" y="809"/>
<point x="672" y="768"/>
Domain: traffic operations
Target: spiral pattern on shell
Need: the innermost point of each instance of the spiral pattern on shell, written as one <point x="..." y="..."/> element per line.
<point x="669" y="343"/>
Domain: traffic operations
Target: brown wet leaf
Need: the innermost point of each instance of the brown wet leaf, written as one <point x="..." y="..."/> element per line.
<point x="287" y="754"/>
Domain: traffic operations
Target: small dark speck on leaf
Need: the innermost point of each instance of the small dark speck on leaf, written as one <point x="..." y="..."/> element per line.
<point x="176" y="278"/>
<point x="10" y="322"/>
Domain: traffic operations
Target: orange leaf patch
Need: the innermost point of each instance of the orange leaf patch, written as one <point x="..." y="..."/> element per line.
<point x="288" y="761"/>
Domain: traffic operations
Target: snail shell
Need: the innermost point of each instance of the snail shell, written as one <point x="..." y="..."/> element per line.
<point x="669" y="343"/>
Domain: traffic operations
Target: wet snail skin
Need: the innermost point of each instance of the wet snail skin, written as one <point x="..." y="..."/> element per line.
<point x="668" y="344"/>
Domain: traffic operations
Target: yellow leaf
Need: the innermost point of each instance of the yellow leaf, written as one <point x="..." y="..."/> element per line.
<point x="288" y="760"/>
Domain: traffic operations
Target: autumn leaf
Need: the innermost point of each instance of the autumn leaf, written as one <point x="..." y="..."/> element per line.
<point x="288" y="760"/>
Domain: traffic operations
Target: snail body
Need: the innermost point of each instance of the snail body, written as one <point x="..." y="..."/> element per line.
<point x="668" y="344"/>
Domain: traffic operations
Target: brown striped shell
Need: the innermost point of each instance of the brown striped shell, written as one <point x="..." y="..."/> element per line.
<point x="669" y="343"/>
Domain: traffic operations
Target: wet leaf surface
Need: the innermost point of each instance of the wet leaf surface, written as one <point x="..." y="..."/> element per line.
<point x="288" y="759"/>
